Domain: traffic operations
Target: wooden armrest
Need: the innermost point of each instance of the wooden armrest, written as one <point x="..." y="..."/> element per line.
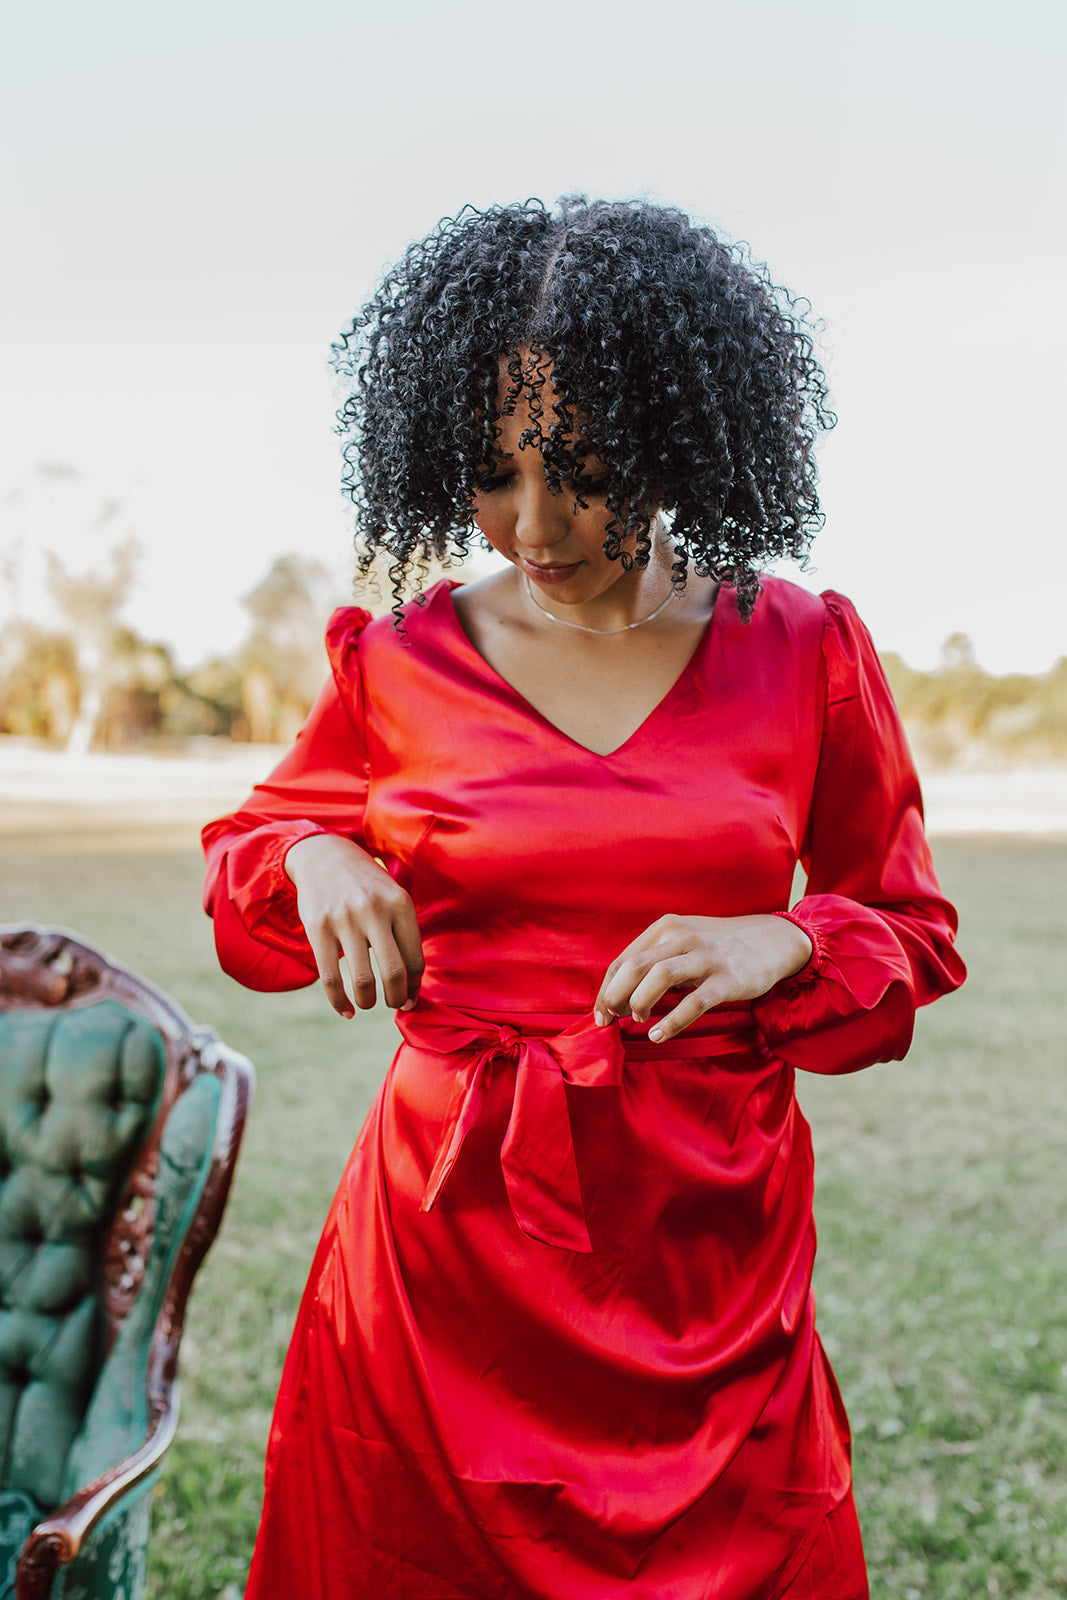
<point x="58" y="1539"/>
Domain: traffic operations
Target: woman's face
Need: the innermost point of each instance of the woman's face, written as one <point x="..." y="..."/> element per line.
<point x="558" y="547"/>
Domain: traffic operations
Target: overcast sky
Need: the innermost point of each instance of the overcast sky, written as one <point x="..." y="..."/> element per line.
<point x="198" y="195"/>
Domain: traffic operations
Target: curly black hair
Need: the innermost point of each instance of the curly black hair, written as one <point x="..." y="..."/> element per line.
<point x="675" y="360"/>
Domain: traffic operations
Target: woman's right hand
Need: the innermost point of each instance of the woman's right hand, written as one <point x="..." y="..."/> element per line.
<point x="350" y="906"/>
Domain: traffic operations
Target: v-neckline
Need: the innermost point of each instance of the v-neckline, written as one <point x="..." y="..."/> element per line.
<point x="447" y="585"/>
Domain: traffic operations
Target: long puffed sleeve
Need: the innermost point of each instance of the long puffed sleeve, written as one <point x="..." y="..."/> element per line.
<point x="881" y="930"/>
<point x="320" y="786"/>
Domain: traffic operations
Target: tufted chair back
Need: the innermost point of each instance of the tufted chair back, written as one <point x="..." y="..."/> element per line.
<point x="119" y="1126"/>
<point x="78" y="1090"/>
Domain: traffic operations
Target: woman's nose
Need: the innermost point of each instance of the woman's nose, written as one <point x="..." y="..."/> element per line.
<point x="542" y="518"/>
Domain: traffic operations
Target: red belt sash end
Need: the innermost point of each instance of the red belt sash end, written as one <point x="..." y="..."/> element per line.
<point x="537" y="1154"/>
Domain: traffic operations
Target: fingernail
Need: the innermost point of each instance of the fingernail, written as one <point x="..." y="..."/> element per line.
<point x="655" y="1034"/>
<point x="409" y="1005"/>
<point x="600" y="1019"/>
<point x="348" y="1013"/>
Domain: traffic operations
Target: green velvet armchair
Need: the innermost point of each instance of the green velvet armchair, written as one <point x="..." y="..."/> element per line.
<point x="119" y="1128"/>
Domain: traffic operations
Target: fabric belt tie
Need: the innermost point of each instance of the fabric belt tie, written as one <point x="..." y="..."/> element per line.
<point x="537" y="1155"/>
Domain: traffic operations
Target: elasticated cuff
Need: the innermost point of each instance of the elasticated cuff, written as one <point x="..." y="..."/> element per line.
<point x="811" y="969"/>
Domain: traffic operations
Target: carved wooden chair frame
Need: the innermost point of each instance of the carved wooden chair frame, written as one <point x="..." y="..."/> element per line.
<point x="42" y="968"/>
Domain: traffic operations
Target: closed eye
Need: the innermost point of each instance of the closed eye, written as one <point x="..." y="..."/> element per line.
<point x="596" y="488"/>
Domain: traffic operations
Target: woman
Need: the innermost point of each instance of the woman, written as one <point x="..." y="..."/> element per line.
<point x="558" y="1338"/>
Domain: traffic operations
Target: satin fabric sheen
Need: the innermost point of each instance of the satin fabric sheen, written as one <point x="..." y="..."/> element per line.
<point x="558" y="1339"/>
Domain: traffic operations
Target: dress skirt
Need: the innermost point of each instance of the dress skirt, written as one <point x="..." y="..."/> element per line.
<point x="639" y="1405"/>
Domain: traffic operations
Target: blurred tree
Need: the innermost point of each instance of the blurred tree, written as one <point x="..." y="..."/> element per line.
<point x="89" y="603"/>
<point x="206" y="701"/>
<point x="283" y="662"/>
<point x="38" y="682"/>
<point x="959" y="713"/>
<point x="957" y="654"/>
<point x="140" y="674"/>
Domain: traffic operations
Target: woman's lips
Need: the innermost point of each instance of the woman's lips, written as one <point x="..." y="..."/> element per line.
<point x="553" y="574"/>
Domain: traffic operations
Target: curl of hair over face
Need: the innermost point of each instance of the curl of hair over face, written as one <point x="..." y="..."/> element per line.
<point x="674" y="360"/>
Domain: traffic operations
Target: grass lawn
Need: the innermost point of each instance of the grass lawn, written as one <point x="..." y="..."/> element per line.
<point x="942" y="1211"/>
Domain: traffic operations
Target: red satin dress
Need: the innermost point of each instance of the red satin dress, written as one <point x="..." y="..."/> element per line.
<point x="558" y="1341"/>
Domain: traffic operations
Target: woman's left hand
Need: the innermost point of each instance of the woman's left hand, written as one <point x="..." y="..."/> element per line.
<point x="721" y="959"/>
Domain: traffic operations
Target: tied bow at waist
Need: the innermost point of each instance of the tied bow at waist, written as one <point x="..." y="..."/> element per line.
<point x="537" y="1155"/>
